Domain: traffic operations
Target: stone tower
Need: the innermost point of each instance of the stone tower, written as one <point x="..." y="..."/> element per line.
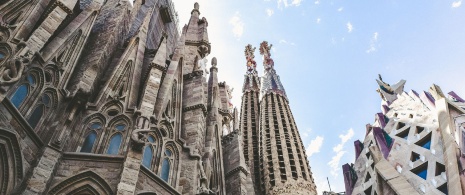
<point x="273" y="148"/>
<point x="250" y="117"/>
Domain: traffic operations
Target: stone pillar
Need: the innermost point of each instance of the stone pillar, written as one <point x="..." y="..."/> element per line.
<point x="42" y="173"/>
<point x="130" y="174"/>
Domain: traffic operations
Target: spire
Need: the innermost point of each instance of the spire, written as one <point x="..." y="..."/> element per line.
<point x="249" y="56"/>
<point x="270" y="81"/>
<point x="251" y="80"/>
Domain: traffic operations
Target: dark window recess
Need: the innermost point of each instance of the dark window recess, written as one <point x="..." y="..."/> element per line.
<point x="400" y="125"/>
<point x="414" y="157"/>
<point x="421" y="171"/>
<point x="440" y="168"/>
<point x="368" y="191"/>
<point x="425" y="142"/>
<point x="403" y="134"/>
<point x="443" y="188"/>
<point x="420" y="129"/>
<point x="368" y="177"/>
<point x="165" y="14"/>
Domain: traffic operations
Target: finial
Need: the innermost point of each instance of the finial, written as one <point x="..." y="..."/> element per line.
<point x="380" y="78"/>
<point x="196" y="8"/>
<point x="249" y="55"/>
<point x="265" y="51"/>
<point x="214" y="62"/>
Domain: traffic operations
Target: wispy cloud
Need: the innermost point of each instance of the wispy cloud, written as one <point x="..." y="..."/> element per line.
<point x="286" y="42"/>
<point x="349" y="27"/>
<point x="286" y="3"/>
<point x="340" y="9"/>
<point x="317" y="2"/>
<point x="456" y="4"/>
<point x="314" y="146"/>
<point x="318" y="20"/>
<point x="238" y="25"/>
<point x="373" y="43"/>
<point x="269" y="12"/>
<point x="335" y="160"/>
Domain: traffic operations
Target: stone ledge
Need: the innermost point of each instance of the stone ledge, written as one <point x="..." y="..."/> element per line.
<point x="198" y="106"/>
<point x="81" y="156"/>
<point x="237" y="169"/>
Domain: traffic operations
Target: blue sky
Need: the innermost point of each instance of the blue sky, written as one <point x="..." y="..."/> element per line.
<point x="328" y="55"/>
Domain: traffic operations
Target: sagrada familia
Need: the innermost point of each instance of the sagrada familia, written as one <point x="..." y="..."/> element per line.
<point x="111" y="97"/>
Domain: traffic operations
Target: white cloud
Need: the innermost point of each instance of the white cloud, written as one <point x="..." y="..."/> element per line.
<point x="238" y="25"/>
<point x="340" y="9"/>
<point x="344" y="139"/>
<point x="373" y="43"/>
<point x="349" y="27"/>
<point x="317" y="2"/>
<point x="269" y="12"/>
<point x="314" y="146"/>
<point x="296" y="2"/>
<point x="456" y="4"/>
<point x="286" y="42"/>
<point x="285" y="3"/>
<point x="334" y="163"/>
<point x="318" y="20"/>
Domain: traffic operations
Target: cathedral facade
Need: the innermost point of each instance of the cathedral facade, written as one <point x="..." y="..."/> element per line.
<point x="111" y="97"/>
<point x="416" y="145"/>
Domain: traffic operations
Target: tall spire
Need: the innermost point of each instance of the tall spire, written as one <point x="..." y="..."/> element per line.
<point x="270" y="80"/>
<point x="251" y="79"/>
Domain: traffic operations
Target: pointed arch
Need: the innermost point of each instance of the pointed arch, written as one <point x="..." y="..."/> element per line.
<point x="11" y="164"/>
<point x="87" y="181"/>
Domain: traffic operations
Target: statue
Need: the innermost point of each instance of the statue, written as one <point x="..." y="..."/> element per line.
<point x="265" y="51"/>
<point x="251" y="64"/>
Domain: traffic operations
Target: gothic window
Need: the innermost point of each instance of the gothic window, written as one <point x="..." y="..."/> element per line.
<point x="166" y="166"/>
<point x="92" y="134"/>
<point x="89" y="142"/>
<point x="117" y="131"/>
<point x="149" y="152"/>
<point x="115" y="143"/>
<point x="23" y="90"/>
<point x="39" y="111"/>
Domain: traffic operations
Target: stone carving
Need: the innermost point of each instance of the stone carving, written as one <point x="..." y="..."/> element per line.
<point x="265" y="51"/>
<point x="249" y="56"/>
<point x="137" y="138"/>
<point x="13" y="69"/>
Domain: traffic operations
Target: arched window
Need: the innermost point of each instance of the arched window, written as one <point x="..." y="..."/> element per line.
<point x="114" y="145"/>
<point x="89" y="142"/>
<point x="38" y="112"/>
<point x="148" y="155"/>
<point x="166" y="166"/>
<point x="148" y="152"/>
<point x="20" y="95"/>
<point x="22" y="91"/>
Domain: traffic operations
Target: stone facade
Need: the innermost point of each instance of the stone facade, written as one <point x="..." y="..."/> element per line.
<point x="415" y="146"/>
<point x="273" y="148"/>
<point x="109" y="97"/>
